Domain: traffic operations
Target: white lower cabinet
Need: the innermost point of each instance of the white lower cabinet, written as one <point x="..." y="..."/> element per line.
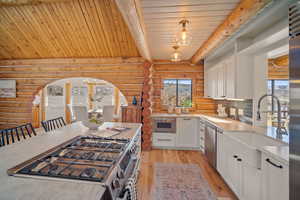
<point x="186" y="136"/>
<point x="275" y="179"/>
<point x="164" y="139"/>
<point x="242" y="176"/>
<point x="187" y="132"/>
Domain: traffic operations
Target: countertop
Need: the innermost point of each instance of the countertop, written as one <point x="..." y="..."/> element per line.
<point x="229" y="125"/>
<point x="14" y="188"/>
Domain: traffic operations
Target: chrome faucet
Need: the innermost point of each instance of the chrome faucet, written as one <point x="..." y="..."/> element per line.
<point x="280" y="129"/>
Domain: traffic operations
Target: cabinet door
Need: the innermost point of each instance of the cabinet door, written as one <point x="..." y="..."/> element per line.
<point x="221" y="156"/>
<point x="251" y="182"/>
<point x="233" y="167"/>
<point x="230" y="77"/>
<point x="209" y="84"/>
<point x="187" y="132"/>
<point x="275" y="179"/>
<point x="221" y="81"/>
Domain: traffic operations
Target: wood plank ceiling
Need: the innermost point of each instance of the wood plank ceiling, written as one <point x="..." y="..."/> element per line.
<point x="67" y="29"/>
<point x="162" y="17"/>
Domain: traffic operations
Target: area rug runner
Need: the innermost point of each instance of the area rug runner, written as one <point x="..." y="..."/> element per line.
<point x="180" y="182"/>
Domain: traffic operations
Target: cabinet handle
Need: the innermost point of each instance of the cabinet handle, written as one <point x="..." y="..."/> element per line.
<point x="186" y="118"/>
<point x="269" y="161"/>
<point x="239" y="159"/>
<point x="223" y="96"/>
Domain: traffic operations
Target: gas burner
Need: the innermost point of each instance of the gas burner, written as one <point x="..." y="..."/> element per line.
<point x="87" y="155"/>
<point x="83" y="158"/>
<point x="88" y="172"/>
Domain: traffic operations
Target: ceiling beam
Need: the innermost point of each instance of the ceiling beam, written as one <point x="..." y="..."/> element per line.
<point x="26" y="2"/>
<point x="132" y="14"/>
<point x="244" y="11"/>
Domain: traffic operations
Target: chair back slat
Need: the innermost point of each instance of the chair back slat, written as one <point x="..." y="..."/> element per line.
<point x="11" y="135"/>
<point x="27" y="130"/>
<point x="7" y="136"/>
<point x="22" y="131"/>
<point x="52" y="124"/>
<point x="2" y="138"/>
<point x="17" y="133"/>
<point x="32" y="129"/>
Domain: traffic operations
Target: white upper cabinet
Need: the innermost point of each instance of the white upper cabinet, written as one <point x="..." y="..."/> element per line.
<point x="232" y="77"/>
<point x="221" y="76"/>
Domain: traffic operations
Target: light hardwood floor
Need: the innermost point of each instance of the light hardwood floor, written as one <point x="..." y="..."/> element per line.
<point x="149" y="158"/>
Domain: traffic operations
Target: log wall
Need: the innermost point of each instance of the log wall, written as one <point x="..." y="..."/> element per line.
<point x="183" y="70"/>
<point x="32" y="75"/>
<point x="279" y="68"/>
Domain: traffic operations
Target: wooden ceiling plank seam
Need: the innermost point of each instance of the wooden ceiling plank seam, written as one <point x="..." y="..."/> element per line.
<point x="101" y="31"/>
<point x="49" y="32"/>
<point x="98" y="35"/>
<point x="64" y="44"/>
<point x="128" y="44"/>
<point x="68" y="11"/>
<point x="117" y="20"/>
<point x="61" y="23"/>
<point x="81" y="28"/>
<point x="35" y="31"/>
<point x="108" y="15"/>
<point x="6" y="50"/>
<point x="17" y="35"/>
<point x="35" y="37"/>
<point x="7" y="34"/>
<point x="102" y="20"/>
<point x="84" y="14"/>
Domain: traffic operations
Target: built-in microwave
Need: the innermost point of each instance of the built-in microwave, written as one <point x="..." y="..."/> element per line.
<point x="164" y="125"/>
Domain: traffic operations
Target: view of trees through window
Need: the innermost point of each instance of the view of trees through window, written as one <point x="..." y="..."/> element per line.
<point x="177" y="92"/>
<point x="280" y="88"/>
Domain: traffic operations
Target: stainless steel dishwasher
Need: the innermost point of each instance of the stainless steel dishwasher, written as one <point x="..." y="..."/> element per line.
<point x="211" y="143"/>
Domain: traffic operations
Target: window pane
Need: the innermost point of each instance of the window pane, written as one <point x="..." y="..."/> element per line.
<point x="169" y="92"/>
<point x="281" y="90"/>
<point x="185" y="93"/>
<point x="270" y="82"/>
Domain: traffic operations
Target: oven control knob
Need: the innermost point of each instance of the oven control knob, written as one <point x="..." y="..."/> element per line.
<point x="116" y="184"/>
<point x="120" y="174"/>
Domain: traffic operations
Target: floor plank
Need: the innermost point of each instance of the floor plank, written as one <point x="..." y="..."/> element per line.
<point x="149" y="158"/>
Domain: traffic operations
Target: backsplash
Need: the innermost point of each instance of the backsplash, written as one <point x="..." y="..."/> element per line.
<point x="246" y="105"/>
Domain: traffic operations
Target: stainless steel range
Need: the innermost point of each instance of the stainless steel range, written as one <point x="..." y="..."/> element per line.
<point x="109" y="162"/>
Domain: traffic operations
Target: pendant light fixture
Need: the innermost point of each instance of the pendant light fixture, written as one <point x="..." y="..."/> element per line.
<point x="183" y="37"/>
<point x="176" y="55"/>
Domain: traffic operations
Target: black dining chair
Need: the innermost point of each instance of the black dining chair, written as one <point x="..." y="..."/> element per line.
<point x="10" y="135"/>
<point x="52" y="124"/>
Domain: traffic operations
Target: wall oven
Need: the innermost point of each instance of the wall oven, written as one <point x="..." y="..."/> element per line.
<point x="164" y="125"/>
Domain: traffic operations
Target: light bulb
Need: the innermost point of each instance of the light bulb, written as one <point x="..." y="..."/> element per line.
<point x="175" y="55"/>
<point x="183" y="35"/>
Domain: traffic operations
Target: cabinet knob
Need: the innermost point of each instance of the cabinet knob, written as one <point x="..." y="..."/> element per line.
<point x="235" y="156"/>
<point x="239" y="159"/>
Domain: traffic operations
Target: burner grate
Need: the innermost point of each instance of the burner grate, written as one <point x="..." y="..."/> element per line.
<point x="83" y="158"/>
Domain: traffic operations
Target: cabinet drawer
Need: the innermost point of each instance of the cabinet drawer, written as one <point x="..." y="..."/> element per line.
<point x="164" y="139"/>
